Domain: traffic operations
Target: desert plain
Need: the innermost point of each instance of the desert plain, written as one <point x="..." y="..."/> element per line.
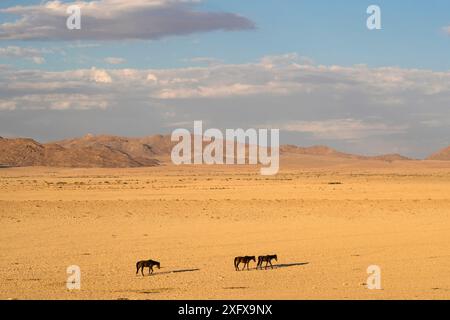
<point x="327" y="219"/>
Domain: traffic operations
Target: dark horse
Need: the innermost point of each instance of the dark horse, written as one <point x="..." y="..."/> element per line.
<point x="147" y="264"/>
<point x="245" y="260"/>
<point x="267" y="260"/>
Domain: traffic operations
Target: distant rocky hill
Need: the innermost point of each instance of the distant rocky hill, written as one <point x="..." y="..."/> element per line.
<point x="315" y="151"/>
<point x="330" y="152"/>
<point x="139" y="149"/>
<point x="122" y="152"/>
<point x="443" y="154"/>
<point x="27" y="152"/>
<point x="390" y="157"/>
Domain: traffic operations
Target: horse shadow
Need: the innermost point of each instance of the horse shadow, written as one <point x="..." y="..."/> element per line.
<point x="289" y="265"/>
<point x="278" y="266"/>
<point x="173" y="271"/>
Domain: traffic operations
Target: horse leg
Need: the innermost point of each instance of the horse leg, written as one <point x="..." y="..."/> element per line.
<point x="142" y="270"/>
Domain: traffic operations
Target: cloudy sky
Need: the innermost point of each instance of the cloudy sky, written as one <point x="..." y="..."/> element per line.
<point x="310" y="68"/>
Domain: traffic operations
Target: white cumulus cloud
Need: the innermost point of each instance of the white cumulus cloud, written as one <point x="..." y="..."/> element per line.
<point x="32" y="54"/>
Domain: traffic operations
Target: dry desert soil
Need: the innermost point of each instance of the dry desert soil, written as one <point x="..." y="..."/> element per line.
<point x="327" y="220"/>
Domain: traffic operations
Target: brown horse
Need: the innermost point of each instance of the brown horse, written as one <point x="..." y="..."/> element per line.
<point x="245" y="260"/>
<point x="267" y="260"/>
<point x="147" y="264"/>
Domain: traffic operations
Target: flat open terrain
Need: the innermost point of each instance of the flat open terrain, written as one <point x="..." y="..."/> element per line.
<point x="327" y="220"/>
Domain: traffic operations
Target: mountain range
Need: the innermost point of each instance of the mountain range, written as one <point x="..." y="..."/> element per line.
<point x="105" y="151"/>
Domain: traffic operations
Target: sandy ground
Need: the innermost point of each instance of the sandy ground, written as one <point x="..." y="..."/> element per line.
<point x="327" y="221"/>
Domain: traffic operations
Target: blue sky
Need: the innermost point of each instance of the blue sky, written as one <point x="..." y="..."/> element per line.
<point x="330" y="32"/>
<point x="311" y="68"/>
